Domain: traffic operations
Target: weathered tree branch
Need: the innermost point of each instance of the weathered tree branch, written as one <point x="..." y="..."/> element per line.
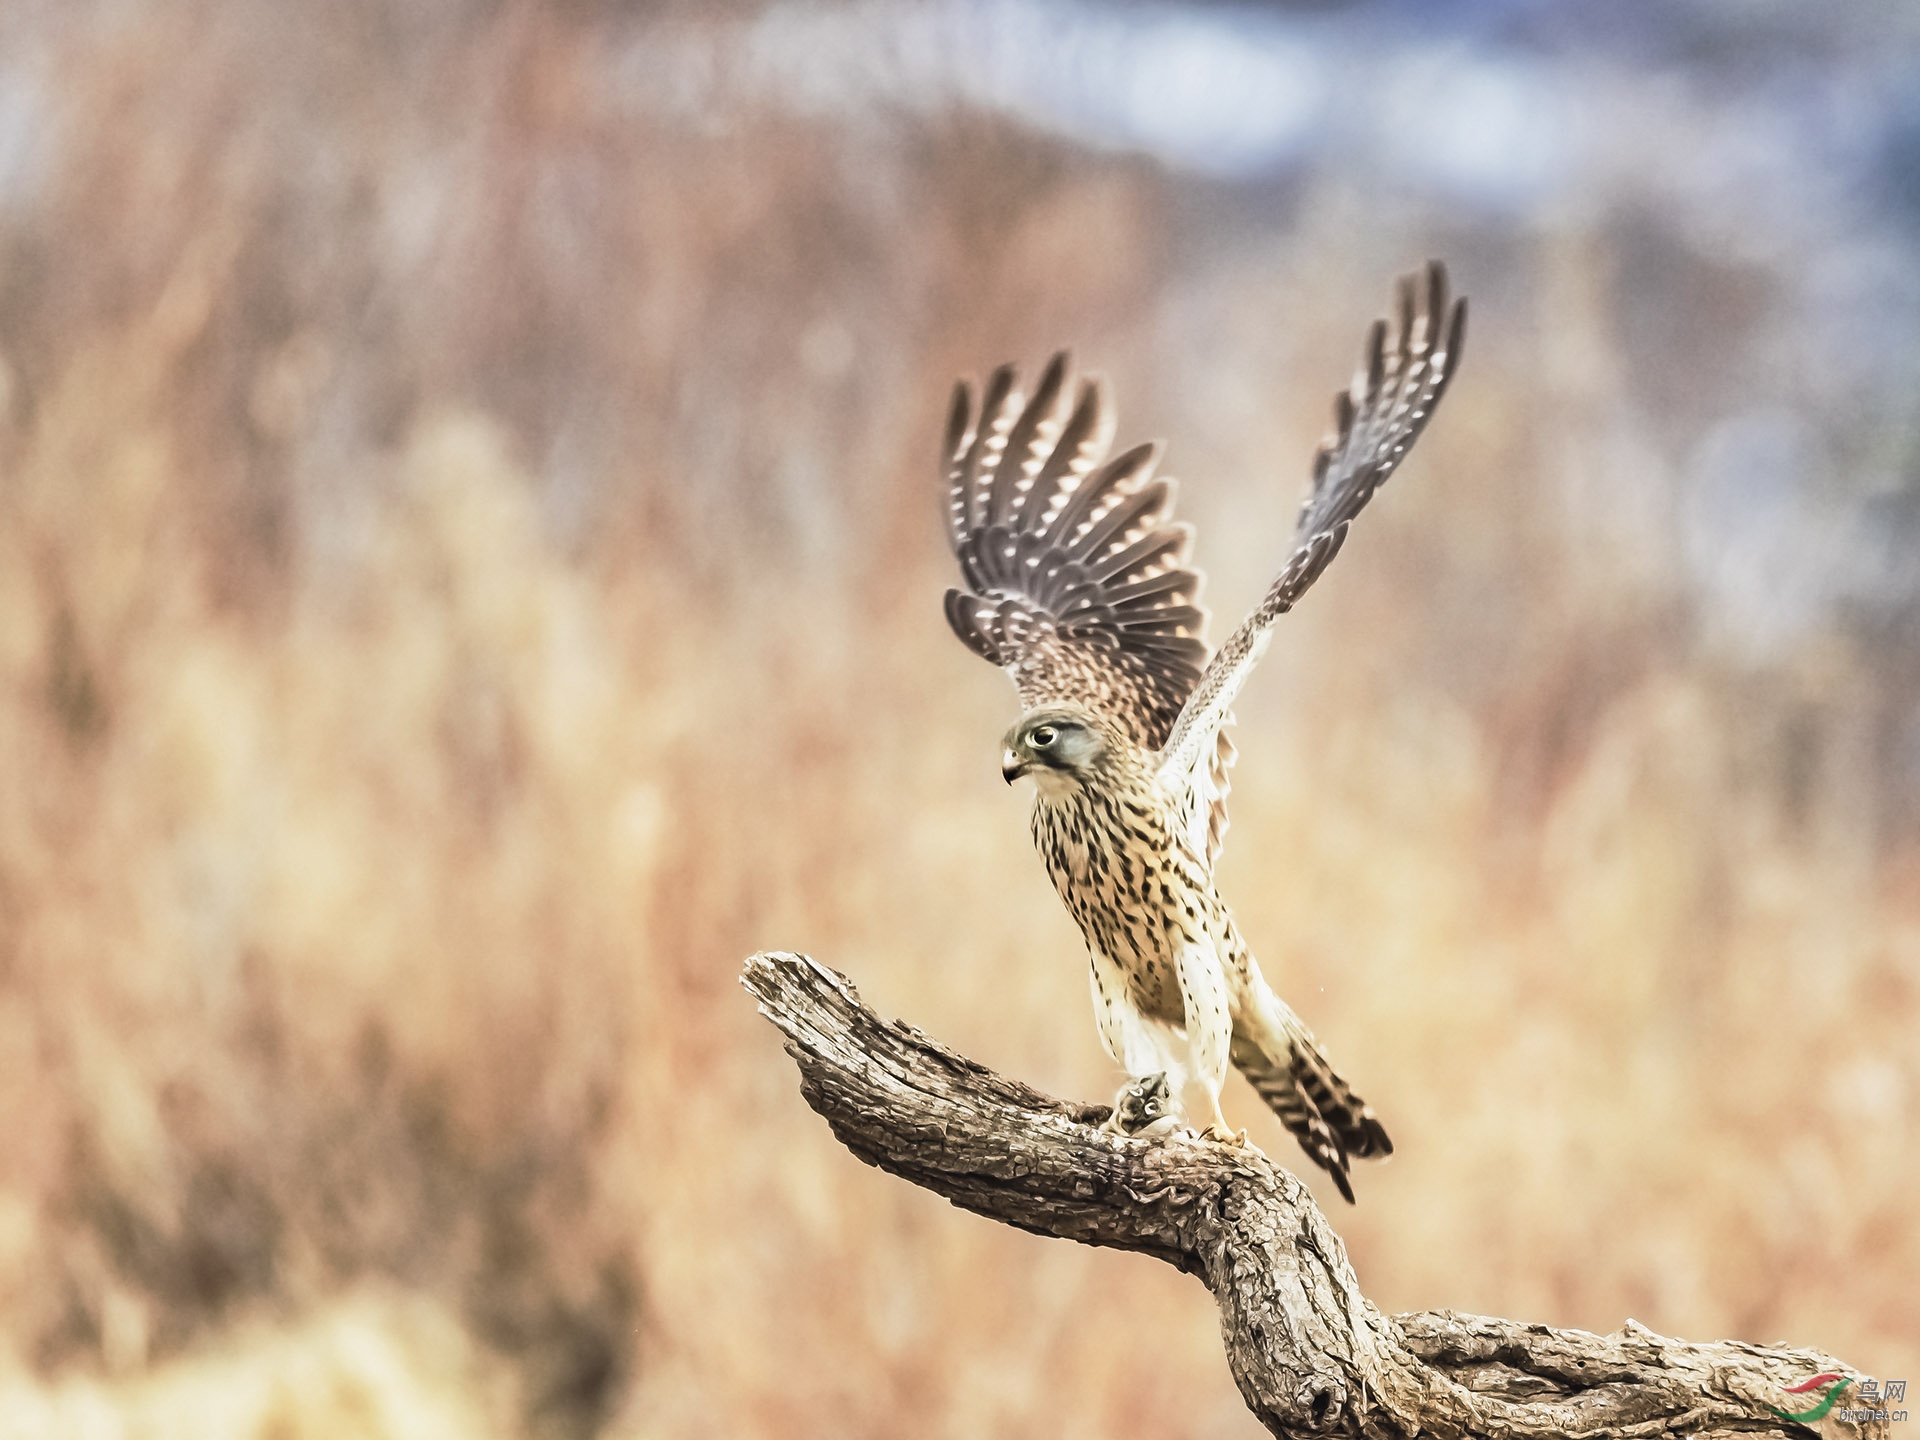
<point x="1311" y="1354"/>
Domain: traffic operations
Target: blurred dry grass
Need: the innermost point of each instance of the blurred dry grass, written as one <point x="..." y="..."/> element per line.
<point x="469" y="575"/>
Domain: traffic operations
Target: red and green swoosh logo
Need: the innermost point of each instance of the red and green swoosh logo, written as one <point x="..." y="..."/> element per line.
<point x="1835" y="1383"/>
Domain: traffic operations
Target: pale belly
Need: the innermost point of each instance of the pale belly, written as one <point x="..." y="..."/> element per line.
<point x="1135" y="903"/>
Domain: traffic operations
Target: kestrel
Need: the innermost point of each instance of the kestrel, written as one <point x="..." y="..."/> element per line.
<point x="1078" y="587"/>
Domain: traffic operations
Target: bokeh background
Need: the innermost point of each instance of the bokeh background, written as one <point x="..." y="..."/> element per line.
<point x="470" y="562"/>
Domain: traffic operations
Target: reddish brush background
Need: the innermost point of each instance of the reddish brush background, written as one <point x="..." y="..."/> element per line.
<point x="469" y="574"/>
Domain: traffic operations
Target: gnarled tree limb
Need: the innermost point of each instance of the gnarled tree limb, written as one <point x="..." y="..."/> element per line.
<point x="1311" y="1354"/>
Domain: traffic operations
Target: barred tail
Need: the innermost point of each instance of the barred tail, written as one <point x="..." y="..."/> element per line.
<point x="1299" y="1084"/>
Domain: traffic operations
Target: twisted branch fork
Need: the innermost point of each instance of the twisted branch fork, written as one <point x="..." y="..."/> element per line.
<point x="1311" y="1354"/>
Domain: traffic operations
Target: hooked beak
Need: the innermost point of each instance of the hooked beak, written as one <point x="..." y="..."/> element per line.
<point x="1012" y="767"/>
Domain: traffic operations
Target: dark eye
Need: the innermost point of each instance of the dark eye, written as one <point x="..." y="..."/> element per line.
<point x="1043" y="736"/>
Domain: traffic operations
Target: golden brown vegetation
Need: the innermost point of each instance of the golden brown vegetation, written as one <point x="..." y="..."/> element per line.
<point x="469" y="574"/>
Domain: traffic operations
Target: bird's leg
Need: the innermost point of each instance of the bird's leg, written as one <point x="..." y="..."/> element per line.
<point x="1143" y="1107"/>
<point x="1203" y="990"/>
<point x="1218" y="1130"/>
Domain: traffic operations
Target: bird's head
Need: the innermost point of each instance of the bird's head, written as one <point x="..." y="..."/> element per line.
<point x="1058" y="745"/>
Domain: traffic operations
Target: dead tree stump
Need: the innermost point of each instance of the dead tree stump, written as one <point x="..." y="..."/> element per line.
<point x="1311" y="1354"/>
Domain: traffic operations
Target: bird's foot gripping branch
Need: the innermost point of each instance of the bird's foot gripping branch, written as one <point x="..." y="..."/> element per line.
<point x="1311" y="1354"/>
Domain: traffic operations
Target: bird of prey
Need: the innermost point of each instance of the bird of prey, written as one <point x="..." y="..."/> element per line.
<point x="1077" y="586"/>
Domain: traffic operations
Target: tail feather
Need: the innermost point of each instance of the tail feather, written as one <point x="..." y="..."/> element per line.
<point x="1319" y="1109"/>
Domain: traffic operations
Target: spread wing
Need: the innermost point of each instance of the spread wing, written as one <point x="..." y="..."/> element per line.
<point x="1374" y="425"/>
<point x="1076" y="575"/>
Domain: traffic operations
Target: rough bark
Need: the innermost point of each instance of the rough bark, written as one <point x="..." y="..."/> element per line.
<point x="1311" y="1354"/>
